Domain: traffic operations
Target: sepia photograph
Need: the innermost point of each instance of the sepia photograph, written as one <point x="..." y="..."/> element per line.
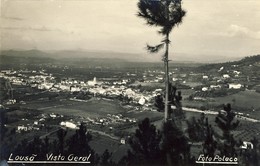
<point x="129" y="82"/>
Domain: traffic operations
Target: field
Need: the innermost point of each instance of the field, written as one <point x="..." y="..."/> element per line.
<point x="140" y="115"/>
<point x="100" y="108"/>
<point x="94" y="108"/>
<point x="244" y="101"/>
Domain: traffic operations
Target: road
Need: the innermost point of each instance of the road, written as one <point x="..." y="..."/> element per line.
<point x="215" y="113"/>
<point x="47" y="134"/>
<point x="104" y="134"/>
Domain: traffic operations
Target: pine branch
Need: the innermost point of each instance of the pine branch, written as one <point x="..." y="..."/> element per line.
<point x="154" y="49"/>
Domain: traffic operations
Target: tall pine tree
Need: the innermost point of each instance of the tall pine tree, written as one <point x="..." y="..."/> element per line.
<point x="165" y="14"/>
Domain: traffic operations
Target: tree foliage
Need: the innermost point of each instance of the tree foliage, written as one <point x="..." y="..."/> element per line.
<point x="61" y="133"/>
<point x="159" y="103"/>
<point x="150" y="146"/>
<point x="105" y="159"/>
<point x="175" y="98"/>
<point x="174" y="146"/>
<point x="210" y="143"/>
<point x="155" y="13"/>
<point x="144" y="144"/>
<point x="78" y="144"/>
<point x="197" y="128"/>
<point x="165" y="14"/>
<point x="225" y="121"/>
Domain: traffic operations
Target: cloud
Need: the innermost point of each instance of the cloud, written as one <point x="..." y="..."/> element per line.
<point x="240" y="31"/>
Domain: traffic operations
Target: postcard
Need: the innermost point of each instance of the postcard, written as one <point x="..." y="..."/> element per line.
<point x="129" y="82"/>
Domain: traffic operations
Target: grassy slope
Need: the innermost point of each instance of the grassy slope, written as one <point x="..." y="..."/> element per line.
<point x="244" y="99"/>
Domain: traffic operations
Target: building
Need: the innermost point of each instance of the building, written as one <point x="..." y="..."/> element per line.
<point x="69" y="125"/>
<point x="226" y="76"/>
<point x="74" y="89"/>
<point x="123" y="141"/>
<point x="205" y="77"/>
<point x="247" y="145"/>
<point x="205" y="89"/>
<point x="215" y="86"/>
<point x="142" y="101"/>
<point x="234" y="86"/>
<point x="93" y="83"/>
<point x="22" y="128"/>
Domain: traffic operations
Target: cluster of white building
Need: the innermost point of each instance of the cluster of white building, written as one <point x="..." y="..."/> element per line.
<point x="45" y="81"/>
<point x="223" y="77"/>
<point x="230" y="86"/>
<point x="110" y="119"/>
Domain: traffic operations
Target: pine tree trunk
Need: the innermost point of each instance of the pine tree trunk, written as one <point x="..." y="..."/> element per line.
<point x="167" y="3"/>
<point x="166" y="111"/>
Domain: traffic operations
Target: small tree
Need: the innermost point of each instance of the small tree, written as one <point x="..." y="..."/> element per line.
<point x="225" y="122"/>
<point x="78" y="144"/>
<point x="166" y="14"/>
<point x="159" y="104"/>
<point x="3" y="121"/>
<point x="175" y="146"/>
<point x="255" y="152"/>
<point x="174" y="100"/>
<point x="197" y="128"/>
<point x="105" y="159"/>
<point x="61" y="137"/>
<point x="46" y="146"/>
<point x="209" y="144"/>
<point x="144" y="144"/>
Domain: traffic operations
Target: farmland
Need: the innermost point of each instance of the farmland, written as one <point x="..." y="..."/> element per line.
<point x="98" y="108"/>
<point x="243" y="99"/>
<point x="93" y="108"/>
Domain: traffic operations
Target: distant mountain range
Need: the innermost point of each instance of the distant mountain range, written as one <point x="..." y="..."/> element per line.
<point x="25" y="53"/>
<point x="116" y="60"/>
<point x="74" y="55"/>
<point x="118" y="56"/>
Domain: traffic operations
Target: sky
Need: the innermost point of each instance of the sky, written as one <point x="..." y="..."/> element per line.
<point x="211" y="28"/>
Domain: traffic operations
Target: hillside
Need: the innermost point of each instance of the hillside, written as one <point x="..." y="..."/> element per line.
<point x="75" y="55"/>
<point x="253" y="61"/>
<point x="123" y="56"/>
<point x="110" y="58"/>
<point x="25" y="53"/>
<point x="20" y="60"/>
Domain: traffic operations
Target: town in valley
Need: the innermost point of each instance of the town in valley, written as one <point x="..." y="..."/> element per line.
<point x="41" y="95"/>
